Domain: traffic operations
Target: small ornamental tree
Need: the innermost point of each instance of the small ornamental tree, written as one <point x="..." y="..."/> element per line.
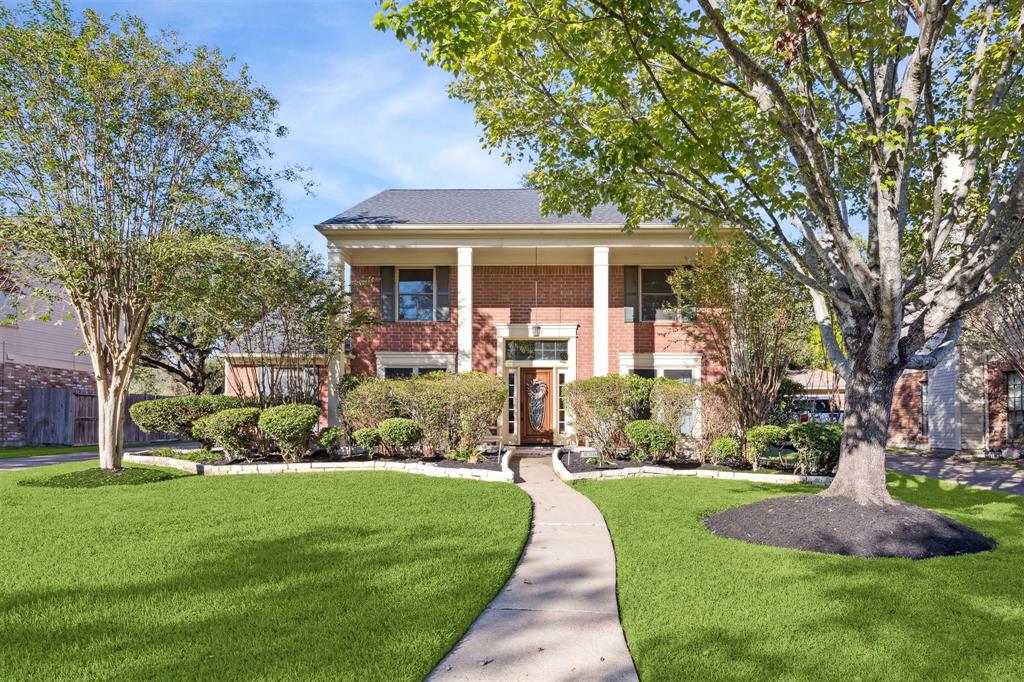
<point x="870" y="149"/>
<point x="124" y="157"/>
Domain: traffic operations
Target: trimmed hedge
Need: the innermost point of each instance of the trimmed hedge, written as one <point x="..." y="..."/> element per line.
<point x="233" y="430"/>
<point x="603" y="406"/>
<point x="651" y="439"/>
<point x="723" y="448"/>
<point x="817" y="446"/>
<point x="760" y="438"/>
<point x="330" y="438"/>
<point x="370" y="402"/>
<point x="368" y="438"/>
<point x="399" y="433"/>
<point x="291" y="426"/>
<point x="177" y="415"/>
<point x="670" y="401"/>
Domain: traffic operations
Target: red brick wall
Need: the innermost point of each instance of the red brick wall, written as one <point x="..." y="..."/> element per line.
<point x="647" y="337"/>
<point x="527" y="294"/>
<point x="905" y="422"/>
<point x="997" y="433"/>
<point x="396" y="336"/>
<point x="16" y="380"/>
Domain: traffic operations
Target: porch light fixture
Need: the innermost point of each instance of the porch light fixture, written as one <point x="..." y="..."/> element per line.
<point x="535" y="330"/>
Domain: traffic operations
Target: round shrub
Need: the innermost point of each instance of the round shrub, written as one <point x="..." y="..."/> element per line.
<point x="817" y="446"/>
<point x="233" y="430"/>
<point x="760" y="438"/>
<point x="330" y="438"/>
<point x="368" y="438"/>
<point x="177" y="415"/>
<point x="722" y="449"/>
<point x="398" y="433"/>
<point x="291" y="426"/>
<point x="651" y="439"/>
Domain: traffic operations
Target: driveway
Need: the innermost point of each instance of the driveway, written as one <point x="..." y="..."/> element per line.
<point x="19" y="463"/>
<point x="990" y="477"/>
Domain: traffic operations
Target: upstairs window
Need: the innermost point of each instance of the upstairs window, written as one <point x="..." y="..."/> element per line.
<point x="415" y="294"/>
<point x="648" y="297"/>
<point x="1014" y="407"/>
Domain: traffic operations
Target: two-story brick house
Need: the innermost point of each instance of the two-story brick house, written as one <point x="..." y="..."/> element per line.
<point x="481" y="280"/>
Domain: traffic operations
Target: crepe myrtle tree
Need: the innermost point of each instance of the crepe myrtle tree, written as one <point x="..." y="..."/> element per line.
<point x="802" y="123"/>
<point x="123" y="156"/>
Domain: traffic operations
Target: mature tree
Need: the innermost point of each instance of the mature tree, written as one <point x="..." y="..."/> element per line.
<point x="301" y="315"/>
<point x="123" y="157"/>
<point x="752" y="320"/>
<point x="215" y="297"/>
<point x="997" y="326"/>
<point x="799" y="122"/>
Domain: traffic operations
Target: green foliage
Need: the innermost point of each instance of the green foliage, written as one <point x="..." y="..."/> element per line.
<point x="202" y="455"/>
<point x="233" y="430"/>
<point x="368" y="438"/>
<point x="291" y="426"/>
<point x="651" y="439"/>
<point x="398" y="434"/>
<point x="454" y="411"/>
<point x="817" y="446"/>
<point x="722" y="449"/>
<point x="760" y="438"/>
<point x="330" y="438"/>
<point x="178" y="415"/>
<point x="603" y="406"/>
<point x="100" y="478"/>
<point x="671" y="401"/>
<point x="370" y="402"/>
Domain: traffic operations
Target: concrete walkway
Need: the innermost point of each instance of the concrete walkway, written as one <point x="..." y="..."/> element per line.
<point x="990" y="477"/>
<point x="557" y="617"/>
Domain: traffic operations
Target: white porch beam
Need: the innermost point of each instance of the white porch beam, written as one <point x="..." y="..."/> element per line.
<point x="464" y="285"/>
<point x="600" y="311"/>
<point x="336" y="366"/>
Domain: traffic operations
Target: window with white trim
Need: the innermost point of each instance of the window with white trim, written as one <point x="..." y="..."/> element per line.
<point x="649" y="297"/>
<point x="1014" y="406"/>
<point x="683" y="375"/>
<point x="415" y="294"/>
<point x="511" y="402"/>
<point x="278" y="380"/>
<point x="561" y="402"/>
<point x="395" y="372"/>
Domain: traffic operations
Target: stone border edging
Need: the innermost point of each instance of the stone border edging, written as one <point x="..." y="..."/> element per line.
<point x="635" y="472"/>
<point x="425" y="469"/>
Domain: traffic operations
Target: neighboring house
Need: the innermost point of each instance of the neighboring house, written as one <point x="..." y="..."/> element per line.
<point x="481" y="280"/>
<point x="36" y="354"/>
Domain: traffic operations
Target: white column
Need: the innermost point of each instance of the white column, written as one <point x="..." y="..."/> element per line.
<point x="464" y="285"/>
<point x="337" y="364"/>
<point x="600" y="311"/>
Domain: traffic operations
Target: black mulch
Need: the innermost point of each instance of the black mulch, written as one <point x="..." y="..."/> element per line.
<point x="576" y="462"/>
<point x="836" y="525"/>
<point x="492" y="463"/>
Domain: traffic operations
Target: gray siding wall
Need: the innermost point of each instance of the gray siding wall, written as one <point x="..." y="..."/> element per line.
<point x="973" y="391"/>
<point x="944" y="405"/>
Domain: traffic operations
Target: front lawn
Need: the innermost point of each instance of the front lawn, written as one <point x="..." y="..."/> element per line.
<point x="356" y="576"/>
<point x="696" y="606"/>
<point x="43" y="450"/>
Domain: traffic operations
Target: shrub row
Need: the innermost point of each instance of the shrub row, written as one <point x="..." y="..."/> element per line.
<point x="452" y="413"/>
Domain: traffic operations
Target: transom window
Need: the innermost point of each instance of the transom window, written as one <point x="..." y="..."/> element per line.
<point x="536" y="350"/>
<point x="415" y="294"/>
<point x="406" y="372"/>
<point x="1014" y="407"/>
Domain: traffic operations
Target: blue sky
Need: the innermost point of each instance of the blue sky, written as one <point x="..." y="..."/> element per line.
<point x="365" y="113"/>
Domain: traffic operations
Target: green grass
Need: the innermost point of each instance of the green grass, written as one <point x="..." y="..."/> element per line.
<point x="94" y="477"/>
<point x="41" y="450"/>
<point x="201" y="455"/>
<point x="351" y="576"/>
<point x="695" y="606"/>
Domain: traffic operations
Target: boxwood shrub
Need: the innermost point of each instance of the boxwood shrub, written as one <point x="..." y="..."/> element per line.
<point x="760" y="438"/>
<point x="330" y="438"/>
<point x="177" y="415"/>
<point x="291" y="426"/>
<point x="722" y="449"/>
<point x="233" y="430"/>
<point x="651" y="439"/>
<point x="368" y="438"/>
<point x="817" y="446"/>
<point x="398" y="434"/>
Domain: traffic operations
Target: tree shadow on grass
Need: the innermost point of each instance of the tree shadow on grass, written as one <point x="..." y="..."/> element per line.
<point x="99" y="478"/>
<point x="337" y="601"/>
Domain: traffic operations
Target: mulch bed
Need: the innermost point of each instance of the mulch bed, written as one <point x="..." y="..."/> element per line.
<point x="492" y="463"/>
<point x="575" y="462"/>
<point x="837" y="525"/>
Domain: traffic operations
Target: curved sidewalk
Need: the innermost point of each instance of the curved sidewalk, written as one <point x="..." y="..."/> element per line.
<point x="557" y="617"/>
<point x="1001" y="479"/>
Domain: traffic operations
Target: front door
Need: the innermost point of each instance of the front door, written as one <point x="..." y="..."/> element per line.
<point x="535" y="405"/>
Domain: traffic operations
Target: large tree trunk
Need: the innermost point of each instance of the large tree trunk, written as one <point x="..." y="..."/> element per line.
<point x="111" y="403"/>
<point x="861" y="474"/>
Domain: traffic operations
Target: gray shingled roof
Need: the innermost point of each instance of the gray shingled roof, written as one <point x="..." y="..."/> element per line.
<point x="464" y="207"/>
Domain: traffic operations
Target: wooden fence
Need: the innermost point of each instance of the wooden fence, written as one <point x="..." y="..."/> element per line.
<point x="65" y="416"/>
